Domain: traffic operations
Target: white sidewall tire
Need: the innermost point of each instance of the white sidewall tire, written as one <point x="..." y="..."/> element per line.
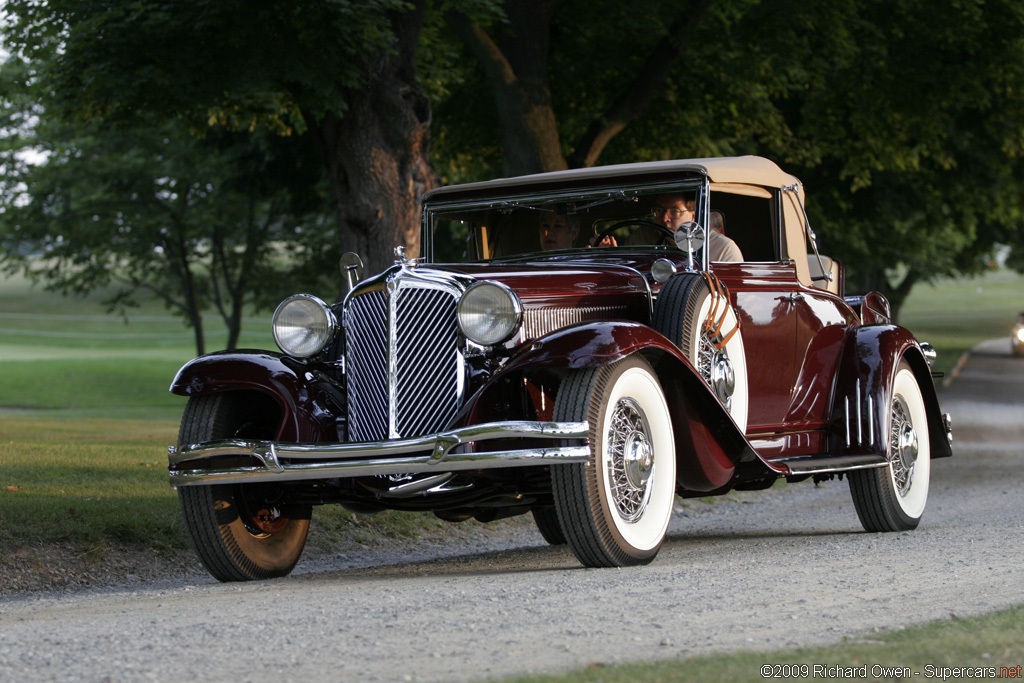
<point x="648" y="532"/>
<point x="913" y="502"/>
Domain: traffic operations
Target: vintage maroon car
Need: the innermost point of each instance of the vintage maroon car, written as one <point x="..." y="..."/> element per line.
<point x="587" y="385"/>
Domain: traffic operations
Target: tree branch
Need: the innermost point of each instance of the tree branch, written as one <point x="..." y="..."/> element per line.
<point x="639" y="95"/>
<point x="482" y="46"/>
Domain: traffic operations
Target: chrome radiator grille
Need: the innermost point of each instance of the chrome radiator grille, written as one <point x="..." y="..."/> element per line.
<point x="402" y="361"/>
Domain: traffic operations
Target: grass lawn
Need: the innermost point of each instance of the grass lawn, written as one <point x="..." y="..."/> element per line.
<point x="954" y="315"/>
<point x="86" y="418"/>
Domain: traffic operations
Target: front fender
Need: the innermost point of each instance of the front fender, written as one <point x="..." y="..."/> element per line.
<point x="301" y="417"/>
<point x="709" y="445"/>
<point x="860" y="404"/>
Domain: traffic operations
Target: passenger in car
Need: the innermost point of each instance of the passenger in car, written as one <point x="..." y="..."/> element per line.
<point x="556" y="231"/>
<point x="720" y="247"/>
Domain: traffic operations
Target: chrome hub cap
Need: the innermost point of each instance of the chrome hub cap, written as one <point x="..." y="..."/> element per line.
<point x="904" y="445"/>
<point x="723" y="378"/>
<point x="717" y="370"/>
<point x="639" y="459"/>
<point x="630" y="460"/>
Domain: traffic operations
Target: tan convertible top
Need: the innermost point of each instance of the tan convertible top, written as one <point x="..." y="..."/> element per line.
<point x="750" y="170"/>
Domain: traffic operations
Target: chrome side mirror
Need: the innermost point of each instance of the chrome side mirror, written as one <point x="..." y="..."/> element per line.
<point x="351" y="268"/>
<point x="690" y="237"/>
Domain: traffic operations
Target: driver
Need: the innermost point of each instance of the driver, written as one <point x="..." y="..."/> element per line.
<point x="672" y="210"/>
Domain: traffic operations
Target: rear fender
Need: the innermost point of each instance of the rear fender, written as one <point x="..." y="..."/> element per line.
<point x="709" y="445"/>
<point x="301" y="418"/>
<point x="863" y="390"/>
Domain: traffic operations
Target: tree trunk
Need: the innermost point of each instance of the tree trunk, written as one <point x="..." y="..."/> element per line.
<point x="897" y="295"/>
<point x="377" y="152"/>
<point x="517" y="67"/>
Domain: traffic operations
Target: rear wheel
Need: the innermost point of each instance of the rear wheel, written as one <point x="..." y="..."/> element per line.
<point x="240" y="532"/>
<point x="893" y="498"/>
<point x="615" y="509"/>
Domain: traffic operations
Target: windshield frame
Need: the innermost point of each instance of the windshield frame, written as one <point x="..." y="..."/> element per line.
<point x="583" y="197"/>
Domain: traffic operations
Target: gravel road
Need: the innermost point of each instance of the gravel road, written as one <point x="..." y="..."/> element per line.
<point x="767" y="570"/>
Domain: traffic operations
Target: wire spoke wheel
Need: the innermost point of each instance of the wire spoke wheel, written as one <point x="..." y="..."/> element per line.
<point x="630" y="460"/>
<point x="614" y="510"/>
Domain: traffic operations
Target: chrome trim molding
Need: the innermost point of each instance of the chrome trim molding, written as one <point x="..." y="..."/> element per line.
<point x="400" y="456"/>
<point x="815" y="465"/>
<point x="859" y="417"/>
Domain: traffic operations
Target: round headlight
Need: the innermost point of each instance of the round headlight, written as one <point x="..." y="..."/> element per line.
<point x="662" y="270"/>
<point x="489" y="313"/>
<point x="303" y="325"/>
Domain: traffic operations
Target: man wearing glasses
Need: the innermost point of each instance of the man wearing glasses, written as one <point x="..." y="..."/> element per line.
<point x="673" y="210"/>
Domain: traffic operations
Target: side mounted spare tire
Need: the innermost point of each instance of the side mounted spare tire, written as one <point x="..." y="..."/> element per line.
<point x="694" y="312"/>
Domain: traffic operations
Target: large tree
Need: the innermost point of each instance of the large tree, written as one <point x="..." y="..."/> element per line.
<point x="343" y="70"/>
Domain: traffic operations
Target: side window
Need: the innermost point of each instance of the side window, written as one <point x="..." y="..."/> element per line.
<point x="748" y="222"/>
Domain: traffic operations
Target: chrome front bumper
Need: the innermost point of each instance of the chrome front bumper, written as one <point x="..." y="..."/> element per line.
<point x="196" y="464"/>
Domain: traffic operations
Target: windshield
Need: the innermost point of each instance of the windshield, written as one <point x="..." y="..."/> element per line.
<point x="497" y="229"/>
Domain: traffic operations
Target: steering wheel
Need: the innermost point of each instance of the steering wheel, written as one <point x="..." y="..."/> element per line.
<point x="636" y="223"/>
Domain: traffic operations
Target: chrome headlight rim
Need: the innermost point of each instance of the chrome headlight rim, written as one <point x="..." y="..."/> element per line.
<point x="317" y="336"/>
<point x="511" y="326"/>
<point x="662" y="270"/>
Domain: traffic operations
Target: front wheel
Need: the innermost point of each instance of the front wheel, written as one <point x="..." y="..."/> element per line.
<point x="893" y="498"/>
<point x="615" y="509"/>
<point x="240" y="532"/>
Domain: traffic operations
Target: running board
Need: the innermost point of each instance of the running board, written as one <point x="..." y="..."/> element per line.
<point x="810" y="464"/>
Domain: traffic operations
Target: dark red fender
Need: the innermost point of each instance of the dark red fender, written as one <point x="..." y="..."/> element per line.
<point x="302" y="420"/>
<point x="709" y="445"/>
<point x="870" y="358"/>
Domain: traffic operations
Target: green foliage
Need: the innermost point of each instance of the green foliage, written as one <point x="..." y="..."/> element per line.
<point x="918" y="140"/>
<point x="254" y="62"/>
<point x="902" y="117"/>
<point x="303" y="71"/>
